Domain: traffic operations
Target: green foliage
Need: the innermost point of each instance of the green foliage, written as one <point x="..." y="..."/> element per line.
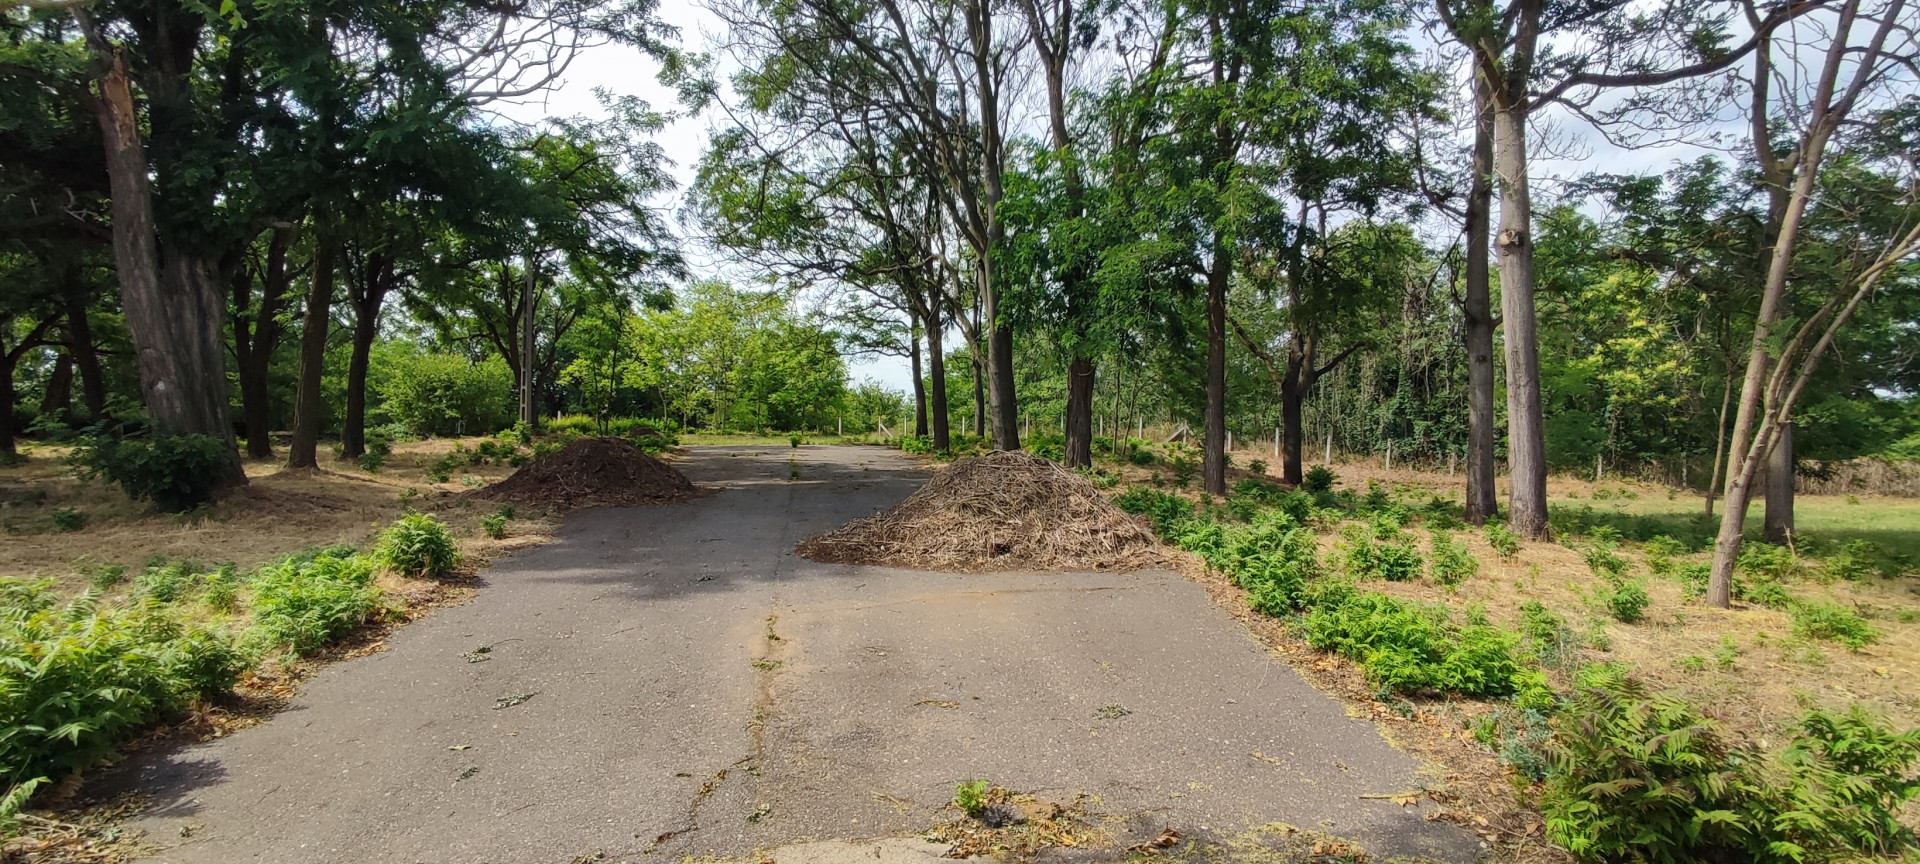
<point x="1625" y="601"/>
<point x="917" y="444"/>
<point x="68" y="519"/>
<point x="418" y="545"/>
<point x="102" y="576"/>
<point x="1140" y="456"/>
<point x="1449" y="562"/>
<point x="1377" y="551"/>
<point x="1404" y="646"/>
<point x="1167" y="511"/>
<point x="442" y="394"/>
<point x="169" y="581"/>
<point x="222" y="589"/>
<point x="971" y="796"/>
<point x="1649" y="777"/>
<point x="494" y="525"/>
<point x="1502" y="539"/>
<point x="1317" y="480"/>
<point x="74" y="678"/>
<point x="1658" y="554"/>
<point x="175" y="472"/>
<point x="1765" y="561"/>
<point x="304" y="601"/>
<point x="1858" y="561"/>
<point x="1815" y="619"/>
<point x="1547" y="634"/>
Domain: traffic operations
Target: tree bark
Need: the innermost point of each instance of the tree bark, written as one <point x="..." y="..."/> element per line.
<point x="1720" y="438"/>
<point x="368" y="296"/>
<point x="57" y="401"/>
<point x="979" y="400"/>
<point x="1477" y="310"/>
<point x="1779" y="516"/>
<point x="529" y="415"/>
<point x="1214" y="442"/>
<point x="919" y="382"/>
<point x="256" y="336"/>
<point x="1526" y="443"/>
<point x="1079" y="420"/>
<point x="1292" y="400"/>
<point x="8" y="449"/>
<point x="937" y="378"/>
<point x="174" y="315"/>
<point x="304" y="451"/>
<point x="86" y="358"/>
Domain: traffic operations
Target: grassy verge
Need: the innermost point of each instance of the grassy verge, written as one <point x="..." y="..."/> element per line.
<point x="1587" y="667"/>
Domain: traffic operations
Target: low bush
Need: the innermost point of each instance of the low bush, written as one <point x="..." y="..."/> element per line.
<point x="1449" y="562"/>
<point x="176" y="472"/>
<point x="1377" y="552"/>
<point x="922" y="444"/>
<point x="304" y="601"/>
<point x="75" y="678"/>
<point x="1318" y="479"/>
<point x="1658" y="553"/>
<point x="1765" y="561"/>
<point x="418" y="545"/>
<point x="1166" y="510"/>
<point x="167" y="581"/>
<point x="1650" y="777"/>
<point x="494" y="525"/>
<point x="1818" y="619"/>
<point x="1625" y="600"/>
<point x="1502" y="539"/>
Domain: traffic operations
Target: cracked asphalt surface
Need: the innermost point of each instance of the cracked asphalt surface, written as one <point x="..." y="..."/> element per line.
<point x="697" y="690"/>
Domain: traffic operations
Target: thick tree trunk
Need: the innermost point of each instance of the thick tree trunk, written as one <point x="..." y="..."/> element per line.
<point x="1079" y="420"/>
<point x="937" y="381"/>
<point x="1779" y="517"/>
<point x="304" y="451"/>
<point x="57" y="401"/>
<point x="1006" y="407"/>
<point x="255" y="340"/>
<point x="175" y="315"/>
<point x="1214" y="443"/>
<point x="367" y="303"/>
<point x="919" y="382"/>
<point x="1482" y="495"/>
<point x="1526" y="442"/>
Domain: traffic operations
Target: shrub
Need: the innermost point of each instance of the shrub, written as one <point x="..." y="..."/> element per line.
<point x="442" y="394"/>
<point x="223" y="588"/>
<point x="1833" y="623"/>
<point x="1659" y="552"/>
<point x="918" y="444"/>
<point x="494" y="525"/>
<point x="175" y="472"/>
<point x="1449" y="562"/>
<point x="1765" y="561"/>
<point x="304" y="601"/>
<point x="1603" y="561"/>
<point x="68" y="519"/>
<point x="1502" y="539"/>
<point x="1166" y="510"/>
<point x="418" y="545"/>
<point x="1140" y="456"/>
<point x="1547" y="634"/>
<point x="102" y="576"/>
<point x="73" y="679"/>
<point x="1855" y="561"/>
<point x="1368" y="557"/>
<point x="1402" y="646"/>
<point x="971" y="796"/>
<point x="168" y="581"/>
<point x="1184" y="468"/>
<point x="1649" y="777"/>
<point x="1626" y="601"/>
<point x="1318" y="479"/>
<point x="1257" y="466"/>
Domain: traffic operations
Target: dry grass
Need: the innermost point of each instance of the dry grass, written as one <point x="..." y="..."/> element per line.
<point x="277" y="513"/>
<point x="1004" y="511"/>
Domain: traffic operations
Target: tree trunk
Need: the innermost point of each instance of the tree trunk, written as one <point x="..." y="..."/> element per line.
<point x="8" y="450"/>
<point x="57" y="401"/>
<point x="174" y="315"/>
<point x="919" y="382"/>
<point x="1006" y="409"/>
<point x="86" y="359"/>
<point x="255" y="342"/>
<point x="1779" y="518"/>
<point x="1482" y="495"/>
<point x="1720" y="438"/>
<point x="529" y="415"/>
<point x="979" y="399"/>
<point x="1214" y="443"/>
<point x="304" y="451"/>
<point x="1292" y="399"/>
<point x="937" y="375"/>
<point x="367" y="302"/>
<point x="1079" y="420"/>
<point x="1526" y="443"/>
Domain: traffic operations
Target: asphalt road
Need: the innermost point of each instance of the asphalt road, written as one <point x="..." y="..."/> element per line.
<point x="691" y="688"/>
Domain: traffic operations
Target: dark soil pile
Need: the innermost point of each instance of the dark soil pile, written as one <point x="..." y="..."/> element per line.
<point x="592" y="472"/>
<point x="1005" y="511"/>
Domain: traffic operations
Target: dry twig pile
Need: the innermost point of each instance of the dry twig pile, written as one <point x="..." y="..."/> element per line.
<point x="592" y="472"/>
<point x="1005" y="511"/>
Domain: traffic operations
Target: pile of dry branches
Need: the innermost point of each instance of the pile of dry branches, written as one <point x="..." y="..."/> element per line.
<point x="1005" y="511"/>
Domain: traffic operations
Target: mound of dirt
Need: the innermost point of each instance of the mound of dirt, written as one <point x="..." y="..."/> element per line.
<point x="592" y="472"/>
<point x="1005" y="511"/>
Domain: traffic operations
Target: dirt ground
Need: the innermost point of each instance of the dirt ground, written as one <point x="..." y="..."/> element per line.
<point x="278" y="512"/>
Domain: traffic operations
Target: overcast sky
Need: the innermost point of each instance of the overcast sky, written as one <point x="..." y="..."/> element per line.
<point x="624" y="71"/>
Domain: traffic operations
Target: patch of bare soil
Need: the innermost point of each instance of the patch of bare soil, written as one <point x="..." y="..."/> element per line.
<point x="1003" y="511"/>
<point x="593" y="472"/>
